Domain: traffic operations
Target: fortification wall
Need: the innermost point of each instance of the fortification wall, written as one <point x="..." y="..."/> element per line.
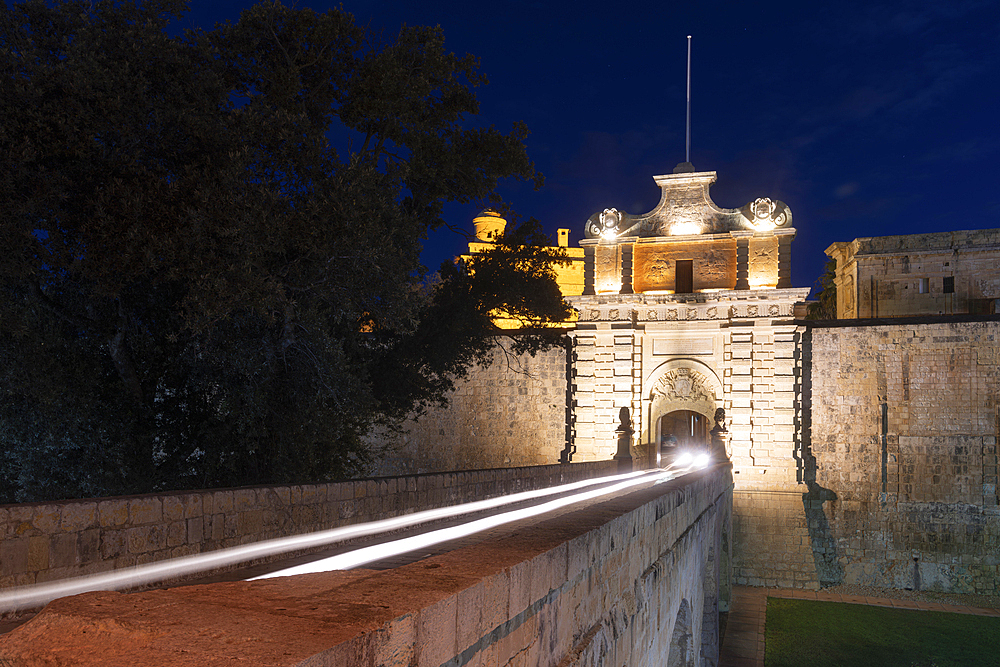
<point x="898" y="464"/>
<point x="42" y="542"/>
<point x="508" y="413"/>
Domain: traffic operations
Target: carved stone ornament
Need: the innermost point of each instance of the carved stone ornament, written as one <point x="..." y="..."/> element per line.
<point x="686" y="208"/>
<point x="766" y="214"/>
<point x="603" y="224"/>
<point x="685" y="385"/>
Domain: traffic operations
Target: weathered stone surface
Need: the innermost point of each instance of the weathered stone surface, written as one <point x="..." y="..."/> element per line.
<point x="145" y="510"/>
<point x="78" y="516"/>
<point x="898" y="498"/>
<point x="533" y="606"/>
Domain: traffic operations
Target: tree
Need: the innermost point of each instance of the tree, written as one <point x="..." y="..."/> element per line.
<point x="212" y="265"/>
<point x="825" y="308"/>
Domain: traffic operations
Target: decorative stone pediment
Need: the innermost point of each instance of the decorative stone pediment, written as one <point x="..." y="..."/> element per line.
<point x="686" y="209"/>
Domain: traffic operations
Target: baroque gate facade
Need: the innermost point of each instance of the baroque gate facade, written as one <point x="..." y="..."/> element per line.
<point x="687" y="309"/>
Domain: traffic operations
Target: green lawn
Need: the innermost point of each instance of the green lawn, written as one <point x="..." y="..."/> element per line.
<point x="805" y="633"/>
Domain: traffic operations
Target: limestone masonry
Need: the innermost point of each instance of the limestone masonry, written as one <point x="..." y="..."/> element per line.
<point x="863" y="451"/>
<point x="919" y="274"/>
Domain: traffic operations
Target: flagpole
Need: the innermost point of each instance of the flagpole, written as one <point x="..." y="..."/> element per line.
<point x="687" y="151"/>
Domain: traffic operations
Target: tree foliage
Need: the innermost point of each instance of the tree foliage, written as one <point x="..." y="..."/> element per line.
<point x="825" y="307"/>
<point x="211" y="269"/>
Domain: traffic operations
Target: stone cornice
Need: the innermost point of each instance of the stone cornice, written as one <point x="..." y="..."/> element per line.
<point x="726" y="305"/>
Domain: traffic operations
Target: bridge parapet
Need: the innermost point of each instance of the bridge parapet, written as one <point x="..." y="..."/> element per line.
<point x="634" y="579"/>
<point x="42" y="542"/>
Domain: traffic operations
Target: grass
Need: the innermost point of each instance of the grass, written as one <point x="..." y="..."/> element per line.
<point x="802" y="633"/>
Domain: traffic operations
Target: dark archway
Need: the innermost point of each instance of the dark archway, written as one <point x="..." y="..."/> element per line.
<point x="689" y="427"/>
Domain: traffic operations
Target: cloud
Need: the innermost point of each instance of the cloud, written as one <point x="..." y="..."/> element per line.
<point x="846" y="190"/>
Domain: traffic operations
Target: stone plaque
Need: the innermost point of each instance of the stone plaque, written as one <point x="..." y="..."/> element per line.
<point x="684" y="346"/>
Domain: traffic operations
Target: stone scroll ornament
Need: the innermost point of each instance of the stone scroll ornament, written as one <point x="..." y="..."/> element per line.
<point x="761" y="215"/>
<point x="766" y="214"/>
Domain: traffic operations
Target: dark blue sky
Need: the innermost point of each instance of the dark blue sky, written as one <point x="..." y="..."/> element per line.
<point x="866" y="118"/>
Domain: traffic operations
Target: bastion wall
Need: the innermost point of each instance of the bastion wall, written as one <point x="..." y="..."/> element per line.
<point x="897" y="463"/>
<point x="508" y="413"/>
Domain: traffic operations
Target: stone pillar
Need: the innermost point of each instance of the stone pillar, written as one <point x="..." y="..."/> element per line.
<point x="584" y="349"/>
<point x="742" y="259"/>
<point x="785" y="237"/>
<point x="589" y="269"/>
<point x="784" y="383"/>
<point x="626" y="249"/>
<point x="762" y="402"/>
<point x="740" y="382"/>
<point x="602" y="384"/>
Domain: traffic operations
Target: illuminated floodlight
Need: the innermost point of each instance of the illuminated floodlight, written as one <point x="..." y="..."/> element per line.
<point x="687" y="228"/>
<point x="702" y="460"/>
<point x="684" y="458"/>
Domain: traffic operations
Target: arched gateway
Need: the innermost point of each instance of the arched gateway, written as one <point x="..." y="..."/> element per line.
<point x="685" y="310"/>
<point x="682" y="396"/>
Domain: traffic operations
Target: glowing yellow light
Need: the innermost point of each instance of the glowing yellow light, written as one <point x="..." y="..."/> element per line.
<point x="608" y="234"/>
<point x="685" y="228"/>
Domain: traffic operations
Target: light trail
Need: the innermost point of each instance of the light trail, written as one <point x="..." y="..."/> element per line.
<point x="378" y="552"/>
<point x="35" y="596"/>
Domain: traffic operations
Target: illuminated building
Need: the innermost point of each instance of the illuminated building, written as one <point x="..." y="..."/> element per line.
<point x="687" y="309"/>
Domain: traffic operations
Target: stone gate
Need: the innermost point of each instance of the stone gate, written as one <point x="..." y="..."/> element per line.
<point x="685" y="310"/>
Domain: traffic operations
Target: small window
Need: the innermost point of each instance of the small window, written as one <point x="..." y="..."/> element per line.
<point x="923" y="286"/>
<point x="684" y="278"/>
<point x="949" y="285"/>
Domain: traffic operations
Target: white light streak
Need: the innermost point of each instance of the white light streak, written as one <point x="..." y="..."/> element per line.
<point x="378" y="552"/>
<point x="31" y="597"/>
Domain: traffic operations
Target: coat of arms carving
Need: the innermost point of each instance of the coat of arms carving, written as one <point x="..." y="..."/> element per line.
<point x="683" y="384"/>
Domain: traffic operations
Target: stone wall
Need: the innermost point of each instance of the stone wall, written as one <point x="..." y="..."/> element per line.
<point x="898" y="276"/>
<point x="897" y="464"/>
<point x="509" y="413"/>
<point x="632" y="579"/>
<point x="46" y="541"/>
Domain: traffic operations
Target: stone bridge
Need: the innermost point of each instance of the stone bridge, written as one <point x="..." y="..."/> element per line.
<point x="636" y="578"/>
